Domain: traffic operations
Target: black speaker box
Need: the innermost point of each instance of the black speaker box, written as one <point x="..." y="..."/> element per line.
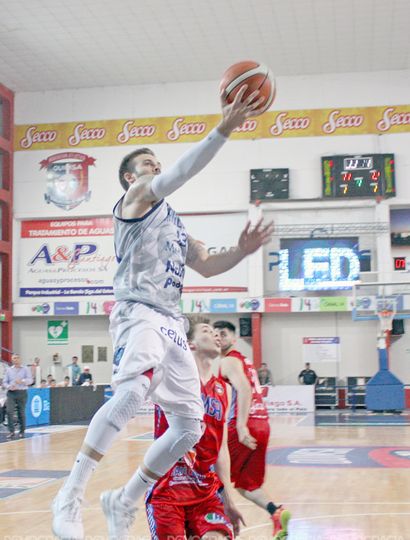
<point x="398" y="327"/>
<point x="245" y="327"/>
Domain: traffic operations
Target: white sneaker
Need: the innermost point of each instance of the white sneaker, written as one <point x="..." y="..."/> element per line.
<point x="120" y="517"/>
<point x="67" y="522"/>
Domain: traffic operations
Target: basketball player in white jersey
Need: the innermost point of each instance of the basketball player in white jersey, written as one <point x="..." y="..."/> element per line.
<point x="151" y="355"/>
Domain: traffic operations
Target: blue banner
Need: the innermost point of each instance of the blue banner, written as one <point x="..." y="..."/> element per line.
<point x="65" y="291"/>
<point x="223" y="305"/>
<point x="38" y="407"/>
<point x="66" y="308"/>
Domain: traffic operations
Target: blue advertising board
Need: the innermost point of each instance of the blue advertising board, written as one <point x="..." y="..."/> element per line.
<point x="38" y="407"/>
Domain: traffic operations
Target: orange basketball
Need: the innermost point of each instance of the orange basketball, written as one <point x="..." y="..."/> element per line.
<point x="255" y="75"/>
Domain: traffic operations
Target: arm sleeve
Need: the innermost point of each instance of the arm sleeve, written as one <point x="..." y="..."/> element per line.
<point x="188" y="165"/>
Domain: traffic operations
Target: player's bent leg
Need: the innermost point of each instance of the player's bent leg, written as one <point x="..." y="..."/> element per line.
<point x="119" y="506"/>
<point x="181" y="436"/>
<point x="103" y="429"/>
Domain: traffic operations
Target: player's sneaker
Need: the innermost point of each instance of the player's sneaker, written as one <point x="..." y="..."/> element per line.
<point x="120" y="516"/>
<point x="280" y="521"/>
<point x="67" y="522"/>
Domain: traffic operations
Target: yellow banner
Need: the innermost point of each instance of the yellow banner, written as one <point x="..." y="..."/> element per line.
<point x="274" y="124"/>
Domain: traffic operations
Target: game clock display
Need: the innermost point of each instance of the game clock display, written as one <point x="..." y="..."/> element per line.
<point x="367" y="175"/>
<point x="269" y="184"/>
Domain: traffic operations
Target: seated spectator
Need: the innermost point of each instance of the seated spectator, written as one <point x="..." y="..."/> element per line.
<point x="85" y="379"/>
<point x="43" y="383"/>
<point x="65" y="383"/>
<point x="49" y="379"/>
<point x="53" y="383"/>
<point x="264" y="374"/>
<point x="307" y="375"/>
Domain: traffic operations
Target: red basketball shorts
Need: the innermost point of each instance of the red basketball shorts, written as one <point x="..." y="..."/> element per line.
<point x="248" y="466"/>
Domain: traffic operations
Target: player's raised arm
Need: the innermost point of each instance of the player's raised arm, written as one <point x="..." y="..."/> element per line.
<point x="250" y="240"/>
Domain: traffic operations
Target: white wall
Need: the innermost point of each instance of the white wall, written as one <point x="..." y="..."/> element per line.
<point x="282" y="346"/>
<point x="223" y="186"/>
<point x="30" y="340"/>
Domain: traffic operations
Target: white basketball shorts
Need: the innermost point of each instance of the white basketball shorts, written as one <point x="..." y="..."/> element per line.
<point x="143" y="339"/>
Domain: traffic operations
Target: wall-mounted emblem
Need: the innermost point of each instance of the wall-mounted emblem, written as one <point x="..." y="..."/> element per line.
<point x="67" y="179"/>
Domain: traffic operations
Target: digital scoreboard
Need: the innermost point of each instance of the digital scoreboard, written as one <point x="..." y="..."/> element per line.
<point x="269" y="184"/>
<point x="367" y="175"/>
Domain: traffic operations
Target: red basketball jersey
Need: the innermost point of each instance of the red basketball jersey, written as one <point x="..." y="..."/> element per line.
<point x="258" y="409"/>
<point x="192" y="478"/>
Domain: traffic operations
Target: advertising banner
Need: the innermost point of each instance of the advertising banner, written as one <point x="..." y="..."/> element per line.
<point x="76" y="258"/>
<point x="290" y="399"/>
<point x="321" y="349"/>
<point x="66" y="258"/>
<point x="219" y="233"/>
<point x="38" y="406"/>
<point x="272" y="124"/>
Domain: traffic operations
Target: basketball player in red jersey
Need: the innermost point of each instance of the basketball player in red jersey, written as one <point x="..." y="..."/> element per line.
<point x="186" y="502"/>
<point x="247" y="447"/>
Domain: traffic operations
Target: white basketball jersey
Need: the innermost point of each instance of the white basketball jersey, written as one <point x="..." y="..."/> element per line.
<point x="151" y="252"/>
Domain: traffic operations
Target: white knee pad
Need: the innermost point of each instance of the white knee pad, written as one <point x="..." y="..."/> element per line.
<point x="127" y="400"/>
<point x="181" y="436"/>
<point x="186" y="437"/>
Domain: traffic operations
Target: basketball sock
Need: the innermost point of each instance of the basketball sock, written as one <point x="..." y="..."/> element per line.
<point x="182" y="434"/>
<point x="81" y="472"/>
<point x="136" y="487"/>
<point x="271" y="508"/>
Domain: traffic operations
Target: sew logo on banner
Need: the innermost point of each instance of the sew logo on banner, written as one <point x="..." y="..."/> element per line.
<point x="278" y="305"/>
<point x="67" y="179"/>
<point x="223" y="305"/>
<point x="66" y="308"/>
<point x="83" y="134"/>
<point x="393" y="119"/>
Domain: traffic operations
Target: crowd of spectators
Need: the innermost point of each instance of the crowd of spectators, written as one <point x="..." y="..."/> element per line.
<point x="75" y="376"/>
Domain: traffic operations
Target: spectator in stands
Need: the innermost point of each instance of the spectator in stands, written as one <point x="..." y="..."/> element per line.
<point x="75" y="369"/>
<point x="34" y="366"/>
<point x="49" y="379"/>
<point x="16" y="380"/>
<point x="307" y="375"/>
<point x="264" y="374"/>
<point x="43" y="383"/>
<point x="65" y="383"/>
<point x="53" y="383"/>
<point x="85" y="379"/>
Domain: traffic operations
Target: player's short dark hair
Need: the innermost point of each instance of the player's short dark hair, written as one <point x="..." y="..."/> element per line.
<point x="127" y="162"/>
<point x="194" y="320"/>
<point x="225" y="324"/>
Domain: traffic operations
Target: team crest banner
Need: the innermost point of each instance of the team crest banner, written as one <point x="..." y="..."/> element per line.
<point x="67" y="179"/>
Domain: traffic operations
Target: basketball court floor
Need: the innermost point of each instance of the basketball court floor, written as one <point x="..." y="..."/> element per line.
<point x="343" y="476"/>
